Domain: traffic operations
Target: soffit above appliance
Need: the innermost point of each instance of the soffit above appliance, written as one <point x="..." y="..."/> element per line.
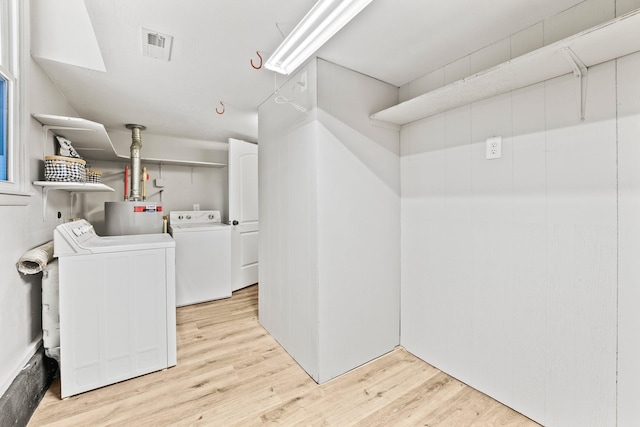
<point x="72" y="42"/>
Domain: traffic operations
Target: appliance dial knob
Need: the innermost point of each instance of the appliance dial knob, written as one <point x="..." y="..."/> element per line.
<point x="188" y="216"/>
<point x="211" y="216"/>
<point x="180" y="217"/>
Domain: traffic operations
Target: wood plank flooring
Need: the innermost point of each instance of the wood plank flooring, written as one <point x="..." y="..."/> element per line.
<point x="231" y="372"/>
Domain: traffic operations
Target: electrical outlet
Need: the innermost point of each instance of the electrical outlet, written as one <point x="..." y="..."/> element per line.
<point x="494" y="147"/>
<point x="196" y="206"/>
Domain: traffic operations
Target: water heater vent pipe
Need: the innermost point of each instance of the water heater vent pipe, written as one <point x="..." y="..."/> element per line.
<point x="136" y="173"/>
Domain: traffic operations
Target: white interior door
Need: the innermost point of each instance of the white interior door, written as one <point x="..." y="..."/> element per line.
<point x="243" y="212"/>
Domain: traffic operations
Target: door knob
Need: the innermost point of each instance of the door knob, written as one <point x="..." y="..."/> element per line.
<point x="235" y="222"/>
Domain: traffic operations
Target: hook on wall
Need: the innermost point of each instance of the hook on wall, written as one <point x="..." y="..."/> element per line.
<point x="223" y="108"/>
<point x="256" y="67"/>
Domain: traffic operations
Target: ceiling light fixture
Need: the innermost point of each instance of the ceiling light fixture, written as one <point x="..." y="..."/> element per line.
<point x="324" y="19"/>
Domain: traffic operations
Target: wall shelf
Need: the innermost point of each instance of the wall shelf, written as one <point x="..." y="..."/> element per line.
<point x="602" y="43"/>
<point x="91" y="141"/>
<point x="72" y="187"/>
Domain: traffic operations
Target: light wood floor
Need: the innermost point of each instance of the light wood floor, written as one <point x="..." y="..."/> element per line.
<point x="231" y="372"/>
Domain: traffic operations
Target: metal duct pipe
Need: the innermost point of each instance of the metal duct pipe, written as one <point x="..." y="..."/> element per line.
<point x="136" y="173"/>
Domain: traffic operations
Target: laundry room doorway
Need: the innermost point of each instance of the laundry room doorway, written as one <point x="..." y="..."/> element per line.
<point x="243" y="212"/>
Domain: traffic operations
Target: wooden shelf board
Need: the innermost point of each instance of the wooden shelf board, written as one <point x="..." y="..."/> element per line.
<point x="80" y="187"/>
<point x="602" y="43"/>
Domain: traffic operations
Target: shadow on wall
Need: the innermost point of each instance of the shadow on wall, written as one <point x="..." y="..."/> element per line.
<point x="381" y="161"/>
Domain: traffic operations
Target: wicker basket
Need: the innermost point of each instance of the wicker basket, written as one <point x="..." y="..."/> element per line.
<point x="94" y="175"/>
<point x="64" y="169"/>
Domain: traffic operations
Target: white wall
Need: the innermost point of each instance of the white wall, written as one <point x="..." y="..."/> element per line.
<point x="329" y="206"/>
<point x="22" y="228"/>
<point x="288" y="247"/>
<point x="358" y="210"/>
<point x="509" y="266"/>
<point x="531" y="261"/>
<point x="628" y="238"/>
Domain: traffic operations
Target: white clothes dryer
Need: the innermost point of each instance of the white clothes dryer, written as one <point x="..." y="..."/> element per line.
<point x="203" y="256"/>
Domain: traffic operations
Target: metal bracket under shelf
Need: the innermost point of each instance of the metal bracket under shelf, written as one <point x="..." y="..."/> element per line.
<point x="72" y="187"/>
<point x="580" y="73"/>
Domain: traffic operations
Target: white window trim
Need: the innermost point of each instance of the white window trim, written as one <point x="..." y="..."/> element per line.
<point x="15" y="191"/>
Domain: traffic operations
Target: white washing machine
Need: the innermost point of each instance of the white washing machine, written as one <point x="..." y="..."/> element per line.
<point x="203" y="256"/>
<point x="117" y="306"/>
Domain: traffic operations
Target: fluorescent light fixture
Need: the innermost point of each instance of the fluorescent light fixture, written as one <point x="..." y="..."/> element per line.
<point x="324" y="19"/>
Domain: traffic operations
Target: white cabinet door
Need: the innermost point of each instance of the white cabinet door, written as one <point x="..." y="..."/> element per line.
<point x="243" y="212"/>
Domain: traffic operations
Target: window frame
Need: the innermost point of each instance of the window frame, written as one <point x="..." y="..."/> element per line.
<point x="14" y="191"/>
<point x="4" y="106"/>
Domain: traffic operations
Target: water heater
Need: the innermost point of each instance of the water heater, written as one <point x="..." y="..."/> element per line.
<point x="135" y="215"/>
<point x="132" y="217"/>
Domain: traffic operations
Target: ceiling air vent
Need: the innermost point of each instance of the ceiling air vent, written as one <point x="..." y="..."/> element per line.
<point x="156" y="45"/>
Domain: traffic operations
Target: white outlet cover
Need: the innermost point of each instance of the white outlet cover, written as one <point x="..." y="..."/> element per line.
<point x="494" y="147"/>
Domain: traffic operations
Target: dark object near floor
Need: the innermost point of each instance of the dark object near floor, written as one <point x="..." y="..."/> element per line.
<point x="24" y="394"/>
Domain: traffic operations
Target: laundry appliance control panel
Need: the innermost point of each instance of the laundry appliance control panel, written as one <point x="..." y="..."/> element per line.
<point x="194" y="217"/>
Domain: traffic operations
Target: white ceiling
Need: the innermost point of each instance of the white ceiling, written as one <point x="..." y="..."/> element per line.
<point x="395" y="41"/>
